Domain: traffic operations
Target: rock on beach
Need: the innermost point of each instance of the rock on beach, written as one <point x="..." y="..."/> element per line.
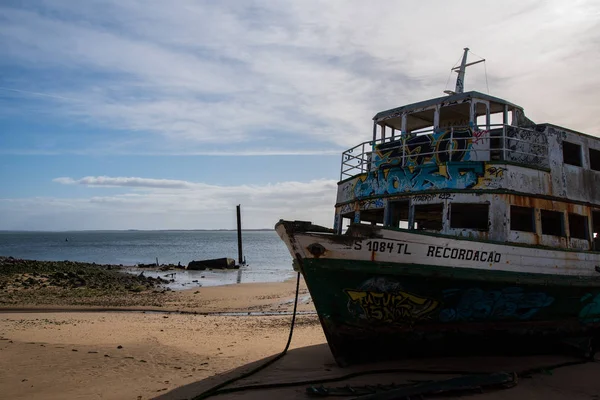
<point x="68" y="282"/>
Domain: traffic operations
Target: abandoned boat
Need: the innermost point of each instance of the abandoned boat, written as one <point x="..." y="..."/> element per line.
<point x="467" y="223"/>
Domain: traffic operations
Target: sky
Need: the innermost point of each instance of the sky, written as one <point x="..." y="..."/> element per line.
<point x="148" y="114"/>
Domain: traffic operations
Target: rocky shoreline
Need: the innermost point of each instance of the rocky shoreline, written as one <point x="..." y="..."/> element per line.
<point x="31" y="282"/>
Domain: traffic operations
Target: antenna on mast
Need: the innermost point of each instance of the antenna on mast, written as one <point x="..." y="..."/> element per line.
<point x="460" y="80"/>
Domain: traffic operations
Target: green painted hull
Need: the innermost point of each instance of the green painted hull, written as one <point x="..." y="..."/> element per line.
<point x="372" y="311"/>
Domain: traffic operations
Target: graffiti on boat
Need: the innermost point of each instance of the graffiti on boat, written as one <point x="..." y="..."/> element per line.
<point x="436" y="148"/>
<point x="383" y="300"/>
<point x="397" y="307"/>
<point x="590" y="312"/>
<point x="479" y="304"/>
<point x="461" y="175"/>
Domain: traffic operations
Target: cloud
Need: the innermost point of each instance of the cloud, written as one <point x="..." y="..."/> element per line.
<point x="171" y="204"/>
<point x="202" y="74"/>
<point x="127" y="182"/>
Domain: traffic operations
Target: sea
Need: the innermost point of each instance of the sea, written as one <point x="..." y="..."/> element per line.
<point x="267" y="258"/>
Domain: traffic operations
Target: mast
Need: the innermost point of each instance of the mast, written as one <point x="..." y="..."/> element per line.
<point x="460" y="80"/>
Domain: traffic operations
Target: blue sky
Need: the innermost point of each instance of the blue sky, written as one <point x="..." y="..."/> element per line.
<point x="124" y="114"/>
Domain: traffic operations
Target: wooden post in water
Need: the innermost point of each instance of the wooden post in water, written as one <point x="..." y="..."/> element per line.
<point x="239" y="232"/>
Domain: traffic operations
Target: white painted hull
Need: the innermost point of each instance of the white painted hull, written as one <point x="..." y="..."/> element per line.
<point x="409" y="247"/>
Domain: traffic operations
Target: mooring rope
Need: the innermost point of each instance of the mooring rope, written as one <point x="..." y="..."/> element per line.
<point x="215" y="390"/>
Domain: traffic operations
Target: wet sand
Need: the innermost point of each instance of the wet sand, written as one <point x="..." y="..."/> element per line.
<point x="81" y="354"/>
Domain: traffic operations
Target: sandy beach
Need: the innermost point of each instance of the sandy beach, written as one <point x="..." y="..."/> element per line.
<point x="186" y="342"/>
<point x="58" y="352"/>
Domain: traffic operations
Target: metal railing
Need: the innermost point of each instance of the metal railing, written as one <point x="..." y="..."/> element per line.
<point x="498" y="143"/>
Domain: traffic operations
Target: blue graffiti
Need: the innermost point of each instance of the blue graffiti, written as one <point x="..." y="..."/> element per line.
<point x="436" y="148"/>
<point x="590" y="313"/>
<point x="370" y="204"/>
<point x="478" y="304"/>
<point x="453" y="175"/>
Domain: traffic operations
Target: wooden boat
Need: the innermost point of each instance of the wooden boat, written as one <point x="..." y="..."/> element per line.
<point x="461" y="225"/>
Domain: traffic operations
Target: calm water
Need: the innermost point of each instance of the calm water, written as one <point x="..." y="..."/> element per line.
<point x="267" y="257"/>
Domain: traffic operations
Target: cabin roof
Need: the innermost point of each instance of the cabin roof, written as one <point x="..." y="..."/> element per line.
<point x="446" y="100"/>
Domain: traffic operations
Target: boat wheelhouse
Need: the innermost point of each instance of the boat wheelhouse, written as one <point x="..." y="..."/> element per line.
<point x="459" y="223"/>
<point x="472" y="165"/>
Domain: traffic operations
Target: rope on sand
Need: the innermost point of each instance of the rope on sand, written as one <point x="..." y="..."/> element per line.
<point x="215" y="389"/>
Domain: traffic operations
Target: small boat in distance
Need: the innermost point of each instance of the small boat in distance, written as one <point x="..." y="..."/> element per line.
<point x="460" y="225"/>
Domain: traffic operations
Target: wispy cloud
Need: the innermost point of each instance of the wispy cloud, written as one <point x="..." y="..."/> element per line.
<point x="171" y="204"/>
<point x="127" y="182"/>
<point x="37" y="94"/>
<point x="196" y="75"/>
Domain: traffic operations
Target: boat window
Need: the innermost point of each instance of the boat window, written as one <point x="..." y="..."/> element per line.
<point x="429" y="217"/>
<point x="346" y="221"/>
<point x="399" y="213"/>
<point x="578" y="226"/>
<point x="522" y="219"/>
<point x="571" y="153"/>
<point x="420" y="122"/>
<point x="552" y="223"/>
<point x="496" y="118"/>
<point x="455" y="115"/>
<point x="469" y="216"/>
<point x="595" y="159"/>
<point x="596" y="229"/>
<point x="374" y="217"/>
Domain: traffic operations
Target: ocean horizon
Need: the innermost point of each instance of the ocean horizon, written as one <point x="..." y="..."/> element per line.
<point x="267" y="257"/>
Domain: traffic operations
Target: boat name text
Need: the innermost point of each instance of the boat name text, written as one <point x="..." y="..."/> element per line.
<point x="382" y="246"/>
<point x="463" y="254"/>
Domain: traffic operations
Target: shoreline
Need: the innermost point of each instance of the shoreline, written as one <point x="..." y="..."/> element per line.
<point x="169" y="276"/>
<point x="42" y="286"/>
<point x="263" y="249"/>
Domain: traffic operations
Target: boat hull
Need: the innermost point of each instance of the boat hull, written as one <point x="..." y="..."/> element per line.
<point x="373" y="310"/>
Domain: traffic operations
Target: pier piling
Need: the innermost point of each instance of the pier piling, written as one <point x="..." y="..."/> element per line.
<point x="239" y="235"/>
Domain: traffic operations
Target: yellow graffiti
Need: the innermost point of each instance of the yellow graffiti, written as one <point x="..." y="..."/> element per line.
<point x="443" y="171"/>
<point x="492" y="175"/>
<point x="392" y="307"/>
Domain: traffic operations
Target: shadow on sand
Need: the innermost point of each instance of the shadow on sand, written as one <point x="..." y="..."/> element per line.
<point x="316" y="362"/>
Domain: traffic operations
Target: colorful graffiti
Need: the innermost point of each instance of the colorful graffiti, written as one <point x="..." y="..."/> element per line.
<point x="372" y="204"/>
<point x="590" y="313"/>
<point x="395" y="307"/>
<point x="508" y="303"/>
<point x="452" y="175"/>
<point x="436" y="148"/>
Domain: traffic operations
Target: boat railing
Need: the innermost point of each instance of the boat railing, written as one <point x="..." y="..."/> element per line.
<point x="499" y="142"/>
